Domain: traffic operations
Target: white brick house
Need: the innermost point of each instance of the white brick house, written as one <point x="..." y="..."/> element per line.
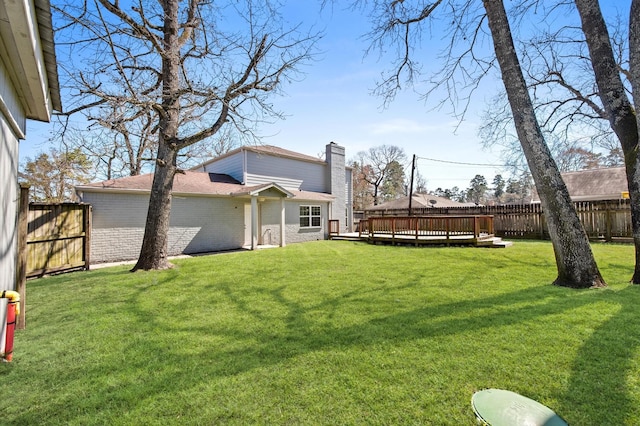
<point x="251" y="196"/>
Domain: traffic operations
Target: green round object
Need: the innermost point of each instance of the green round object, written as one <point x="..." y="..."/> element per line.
<point x="497" y="407"/>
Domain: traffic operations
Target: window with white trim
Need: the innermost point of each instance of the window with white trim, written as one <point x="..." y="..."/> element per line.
<point x="310" y="217"/>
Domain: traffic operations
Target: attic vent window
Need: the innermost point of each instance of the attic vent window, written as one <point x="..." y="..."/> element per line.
<point x="310" y="217"/>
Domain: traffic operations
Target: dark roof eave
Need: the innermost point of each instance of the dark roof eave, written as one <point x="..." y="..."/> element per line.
<point x="45" y="28"/>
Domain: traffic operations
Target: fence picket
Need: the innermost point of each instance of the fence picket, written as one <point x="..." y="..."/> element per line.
<point x="57" y="237"/>
<point x="603" y="220"/>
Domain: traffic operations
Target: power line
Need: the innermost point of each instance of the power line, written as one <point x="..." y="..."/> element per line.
<point x="461" y="163"/>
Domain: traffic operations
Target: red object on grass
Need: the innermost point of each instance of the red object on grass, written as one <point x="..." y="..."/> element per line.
<point x="11" y="327"/>
<point x="13" y="308"/>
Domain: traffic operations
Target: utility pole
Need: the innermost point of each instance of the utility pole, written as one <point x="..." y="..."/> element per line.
<point x="413" y="169"/>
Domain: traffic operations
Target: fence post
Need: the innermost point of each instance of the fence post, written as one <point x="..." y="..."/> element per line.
<point x="393" y="231"/>
<point x="475" y="227"/>
<point x="86" y="217"/>
<point x="21" y="278"/>
<point x="608" y="215"/>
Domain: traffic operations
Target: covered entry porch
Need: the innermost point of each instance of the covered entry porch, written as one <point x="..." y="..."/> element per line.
<point x="256" y="197"/>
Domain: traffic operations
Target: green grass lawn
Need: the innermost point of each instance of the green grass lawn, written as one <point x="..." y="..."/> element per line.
<point x="329" y="332"/>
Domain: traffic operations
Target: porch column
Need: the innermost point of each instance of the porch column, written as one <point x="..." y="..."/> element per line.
<point x="282" y="223"/>
<point x="254" y="222"/>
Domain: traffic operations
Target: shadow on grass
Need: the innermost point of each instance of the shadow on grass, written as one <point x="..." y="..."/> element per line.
<point x="159" y="367"/>
<point x="601" y="371"/>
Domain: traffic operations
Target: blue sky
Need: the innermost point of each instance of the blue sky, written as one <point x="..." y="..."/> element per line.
<point x="334" y="103"/>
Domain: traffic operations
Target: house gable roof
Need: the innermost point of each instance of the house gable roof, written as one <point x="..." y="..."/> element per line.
<point x="419" y="201"/>
<point x="266" y="150"/>
<point x="199" y="183"/>
<point x="267" y="188"/>
<point x="594" y="184"/>
<point x="281" y="152"/>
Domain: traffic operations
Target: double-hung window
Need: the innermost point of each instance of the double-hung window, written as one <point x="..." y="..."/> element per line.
<point x="310" y="217"/>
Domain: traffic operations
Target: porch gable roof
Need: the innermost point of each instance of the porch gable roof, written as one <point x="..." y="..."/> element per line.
<point x="262" y="189"/>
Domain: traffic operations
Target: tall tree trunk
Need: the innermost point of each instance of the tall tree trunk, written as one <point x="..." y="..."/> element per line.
<point x="616" y="103"/>
<point x="574" y="259"/>
<point x="154" y="251"/>
<point x="153" y="254"/>
<point x="634" y="67"/>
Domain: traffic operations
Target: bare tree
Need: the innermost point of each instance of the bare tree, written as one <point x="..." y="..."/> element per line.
<point x="558" y="70"/>
<point x="117" y="149"/>
<point x="634" y="55"/>
<point x="574" y="259"/>
<point x="195" y="66"/>
<point x="402" y="22"/>
<point x="580" y="77"/>
<point x="125" y="146"/>
<point x="420" y="184"/>
<point x="382" y="161"/>
<point x="362" y="191"/>
<point x="618" y="109"/>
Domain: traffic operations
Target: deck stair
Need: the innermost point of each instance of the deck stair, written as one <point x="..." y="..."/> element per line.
<point x="494" y="242"/>
<point x="351" y="236"/>
<point x="491" y="242"/>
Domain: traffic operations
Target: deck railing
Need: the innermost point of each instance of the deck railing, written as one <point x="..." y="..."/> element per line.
<point x="334" y="227"/>
<point x="476" y="226"/>
<point x="608" y="220"/>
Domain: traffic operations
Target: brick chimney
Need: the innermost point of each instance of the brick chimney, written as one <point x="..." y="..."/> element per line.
<point x="336" y="184"/>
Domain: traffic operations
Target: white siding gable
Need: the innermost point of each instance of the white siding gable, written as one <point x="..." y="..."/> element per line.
<point x="288" y="172"/>
<point x="232" y="165"/>
<point x="290" y="184"/>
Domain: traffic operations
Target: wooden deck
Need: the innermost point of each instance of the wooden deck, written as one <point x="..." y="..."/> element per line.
<point x="474" y="230"/>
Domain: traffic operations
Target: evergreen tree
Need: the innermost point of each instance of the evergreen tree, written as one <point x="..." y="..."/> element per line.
<point x="52" y="176"/>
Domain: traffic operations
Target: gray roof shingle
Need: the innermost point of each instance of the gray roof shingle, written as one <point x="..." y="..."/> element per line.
<point x="595" y="184"/>
<point x="190" y="183"/>
<point x="420" y="201"/>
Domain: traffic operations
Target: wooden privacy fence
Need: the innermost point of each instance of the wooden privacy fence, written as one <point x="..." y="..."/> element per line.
<point x="58" y="238"/>
<point x="603" y="220"/>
